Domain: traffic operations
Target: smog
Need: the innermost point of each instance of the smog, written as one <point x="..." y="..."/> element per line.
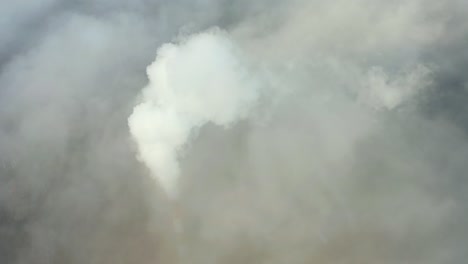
<point x="211" y="131"/>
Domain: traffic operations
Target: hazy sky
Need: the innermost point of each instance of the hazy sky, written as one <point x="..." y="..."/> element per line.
<point x="300" y="131"/>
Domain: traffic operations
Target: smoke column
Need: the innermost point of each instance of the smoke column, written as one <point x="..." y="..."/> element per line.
<point x="200" y="80"/>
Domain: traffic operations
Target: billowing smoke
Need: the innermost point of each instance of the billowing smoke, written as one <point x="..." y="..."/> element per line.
<point x="201" y="81"/>
<point x="299" y="131"/>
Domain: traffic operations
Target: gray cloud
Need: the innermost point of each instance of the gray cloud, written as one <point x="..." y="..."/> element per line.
<point x="357" y="152"/>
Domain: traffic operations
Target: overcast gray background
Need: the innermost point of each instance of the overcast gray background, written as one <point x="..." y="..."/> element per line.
<point x="323" y="173"/>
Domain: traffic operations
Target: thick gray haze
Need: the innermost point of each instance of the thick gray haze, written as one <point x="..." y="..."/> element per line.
<point x="356" y="151"/>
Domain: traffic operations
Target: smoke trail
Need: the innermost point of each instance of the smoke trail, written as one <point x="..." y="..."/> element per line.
<point x="201" y="80"/>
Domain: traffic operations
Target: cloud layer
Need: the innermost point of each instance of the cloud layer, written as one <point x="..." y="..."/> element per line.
<point x="354" y="151"/>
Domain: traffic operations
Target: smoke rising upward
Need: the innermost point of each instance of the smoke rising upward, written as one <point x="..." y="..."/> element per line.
<point x="201" y="80"/>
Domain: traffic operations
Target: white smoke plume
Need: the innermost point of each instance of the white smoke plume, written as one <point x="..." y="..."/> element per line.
<point x="201" y="80"/>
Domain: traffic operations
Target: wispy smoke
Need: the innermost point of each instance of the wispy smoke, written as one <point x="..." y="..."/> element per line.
<point x="297" y="132"/>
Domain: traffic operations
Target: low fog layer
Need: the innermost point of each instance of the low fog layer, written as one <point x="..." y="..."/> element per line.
<point x="281" y="131"/>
